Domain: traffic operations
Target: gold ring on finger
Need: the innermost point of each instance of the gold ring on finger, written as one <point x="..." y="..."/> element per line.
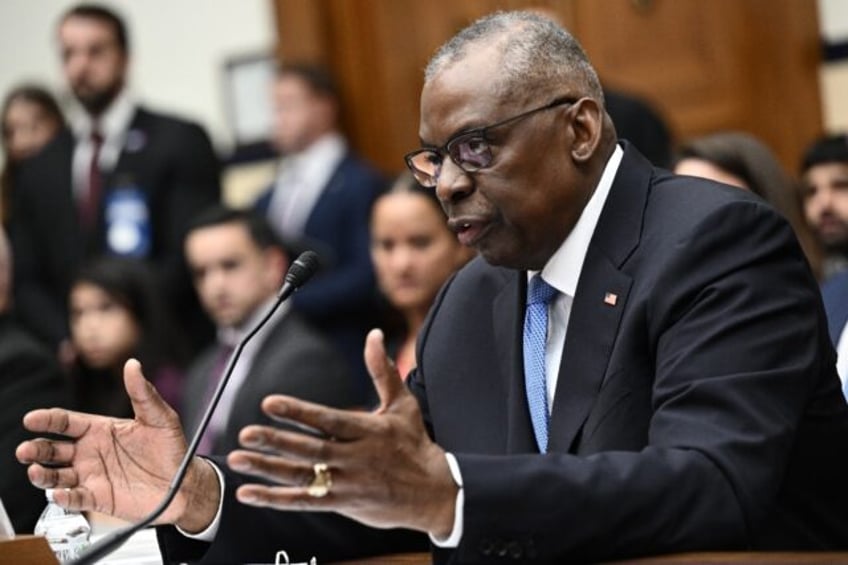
<point x="321" y="483"/>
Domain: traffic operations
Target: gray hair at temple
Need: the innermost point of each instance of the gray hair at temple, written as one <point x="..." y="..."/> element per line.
<point x="536" y="52"/>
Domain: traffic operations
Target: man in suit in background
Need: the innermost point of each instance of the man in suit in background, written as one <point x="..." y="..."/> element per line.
<point x="238" y="267"/>
<point x="824" y="192"/>
<point x="29" y="377"/>
<point x="638" y="363"/>
<point x="123" y="181"/>
<point x="322" y="198"/>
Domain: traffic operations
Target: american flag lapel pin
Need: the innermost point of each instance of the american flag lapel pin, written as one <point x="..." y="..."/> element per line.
<point x="610" y="299"/>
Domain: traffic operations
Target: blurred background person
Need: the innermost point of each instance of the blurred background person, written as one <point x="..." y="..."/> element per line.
<point x="740" y="159"/>
<point x="414" y="253"/>
<point x="116" y="312"/>
<point x="123" y="180"/>
<point x="322" y="197"/>
<point x="238" y="265"/>
<point x="824" y="192"/>
<point x="639" y="122"/>
<point x="29" y="377"/>
<point x="30" y="118"/>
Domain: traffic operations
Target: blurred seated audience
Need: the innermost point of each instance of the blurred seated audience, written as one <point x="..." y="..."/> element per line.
<point x="824" y="193"/>
<point x="116" y="312"/>
<point x="30" y="118"/>
<point x="121" y="180"/>
<point x="322" y="197"/>
<point x="238" y="265"/>
<point x="414" y="253"/>
<point x="29" y="377"/>
<point x="740" y="159"/>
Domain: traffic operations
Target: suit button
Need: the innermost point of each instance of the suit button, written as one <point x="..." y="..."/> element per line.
<point x="486" y="546"/>
<point x="500" y="548"/>
<point x="515" y="550"/>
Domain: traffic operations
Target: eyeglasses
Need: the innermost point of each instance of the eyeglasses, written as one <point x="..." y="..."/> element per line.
<point x="470" y="150"/>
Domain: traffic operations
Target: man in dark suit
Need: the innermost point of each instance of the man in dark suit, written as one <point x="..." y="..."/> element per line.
<point x="322" y="198"/>
<point x="238" y="267"/>
<point x="123" y="181"/>
<point x="637" y="364"/>
<point x="29" y="377"/>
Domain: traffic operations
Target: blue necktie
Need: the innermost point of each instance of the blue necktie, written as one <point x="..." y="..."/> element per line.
<point x="539" y="295"/>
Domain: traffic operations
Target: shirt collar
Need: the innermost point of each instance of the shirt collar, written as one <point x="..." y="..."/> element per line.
<point x="113" y="122"/>
<point x="562" y="271"/>
<point x="320" y="156"/>
<point x="232" y="335"/>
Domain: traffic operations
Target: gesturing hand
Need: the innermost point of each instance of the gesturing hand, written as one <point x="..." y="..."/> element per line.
<point x="385" y="470"/>
<point x="115" y="466"/>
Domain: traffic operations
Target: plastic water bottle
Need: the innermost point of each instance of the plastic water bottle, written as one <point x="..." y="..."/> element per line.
<point x="67" y="531"/>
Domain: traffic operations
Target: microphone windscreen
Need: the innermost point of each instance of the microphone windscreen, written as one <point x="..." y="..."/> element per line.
<point x="302" y="269"/>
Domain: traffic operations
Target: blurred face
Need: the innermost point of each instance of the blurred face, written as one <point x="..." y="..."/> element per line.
<point x="412" y="250"/>
<point x="706" y="170"/>
<point x="824" y="189"/>
<point x="300" y="116"/>
<point x="104" y="332"/>
<point x="92" y="61"/>
<point x="26" y="129"/>
<point x="519" y="210"/>
<point x="232" y="276"/>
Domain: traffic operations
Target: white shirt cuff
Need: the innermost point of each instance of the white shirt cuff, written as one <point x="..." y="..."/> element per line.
<point x="210" y="532"/>
<point x="456" y="534"/>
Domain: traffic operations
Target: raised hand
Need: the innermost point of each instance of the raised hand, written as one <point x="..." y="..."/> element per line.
<point x="384" y="469"/>
<point x="117" y="466"/>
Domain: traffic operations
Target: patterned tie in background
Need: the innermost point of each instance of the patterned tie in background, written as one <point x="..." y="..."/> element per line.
<point x="539" y="295"/>
<point x="90" y="203"/>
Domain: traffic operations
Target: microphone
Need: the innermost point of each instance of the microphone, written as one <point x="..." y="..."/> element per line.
<point x="299" y="272"/>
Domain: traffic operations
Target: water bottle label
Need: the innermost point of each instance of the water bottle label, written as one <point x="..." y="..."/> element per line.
<point x="128" y="231"/>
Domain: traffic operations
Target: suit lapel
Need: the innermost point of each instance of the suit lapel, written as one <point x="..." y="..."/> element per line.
<point x="128" y="157"/>
<point x="599" y="301"/>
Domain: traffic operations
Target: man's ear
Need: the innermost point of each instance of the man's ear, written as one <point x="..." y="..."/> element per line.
<point x="277" y="261"/>
<point x="587" y="125"/>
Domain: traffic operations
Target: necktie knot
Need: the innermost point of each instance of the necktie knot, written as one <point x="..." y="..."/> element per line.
<point x="540" y="292"/>
<point x="96" y="137"/>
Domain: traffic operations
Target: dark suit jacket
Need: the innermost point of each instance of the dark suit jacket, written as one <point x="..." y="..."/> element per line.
<point x="294" y="359"/>
<point x="342" y="299"/>
<point x="700" y="411"/>
<point x="835" y="297"/>
<point x="171" y="161"/>
<point x="30" y="378"/>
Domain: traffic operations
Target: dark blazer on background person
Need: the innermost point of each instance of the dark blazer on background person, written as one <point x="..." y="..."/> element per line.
<point x="30" y="378"/>
<point x="342" y="299"/>
<point x="697" y="407"/>
<point x="170" y="160"/>
<point x="294" y="359"/>
<point x="835" y="296"/>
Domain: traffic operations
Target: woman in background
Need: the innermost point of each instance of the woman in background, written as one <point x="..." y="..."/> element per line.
<point x="742" y="160"/>
<point x="115" y="313"/>
<point x="414" y="253"/>
<point x="30" y="118"/>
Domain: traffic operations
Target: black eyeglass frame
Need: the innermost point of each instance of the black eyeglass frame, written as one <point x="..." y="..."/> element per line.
<point x="431" y="180"/>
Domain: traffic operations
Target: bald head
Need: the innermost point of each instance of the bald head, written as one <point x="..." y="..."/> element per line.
<point x="535" y="53"/>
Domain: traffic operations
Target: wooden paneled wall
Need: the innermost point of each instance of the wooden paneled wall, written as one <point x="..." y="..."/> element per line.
<point x="707" y="66"/>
